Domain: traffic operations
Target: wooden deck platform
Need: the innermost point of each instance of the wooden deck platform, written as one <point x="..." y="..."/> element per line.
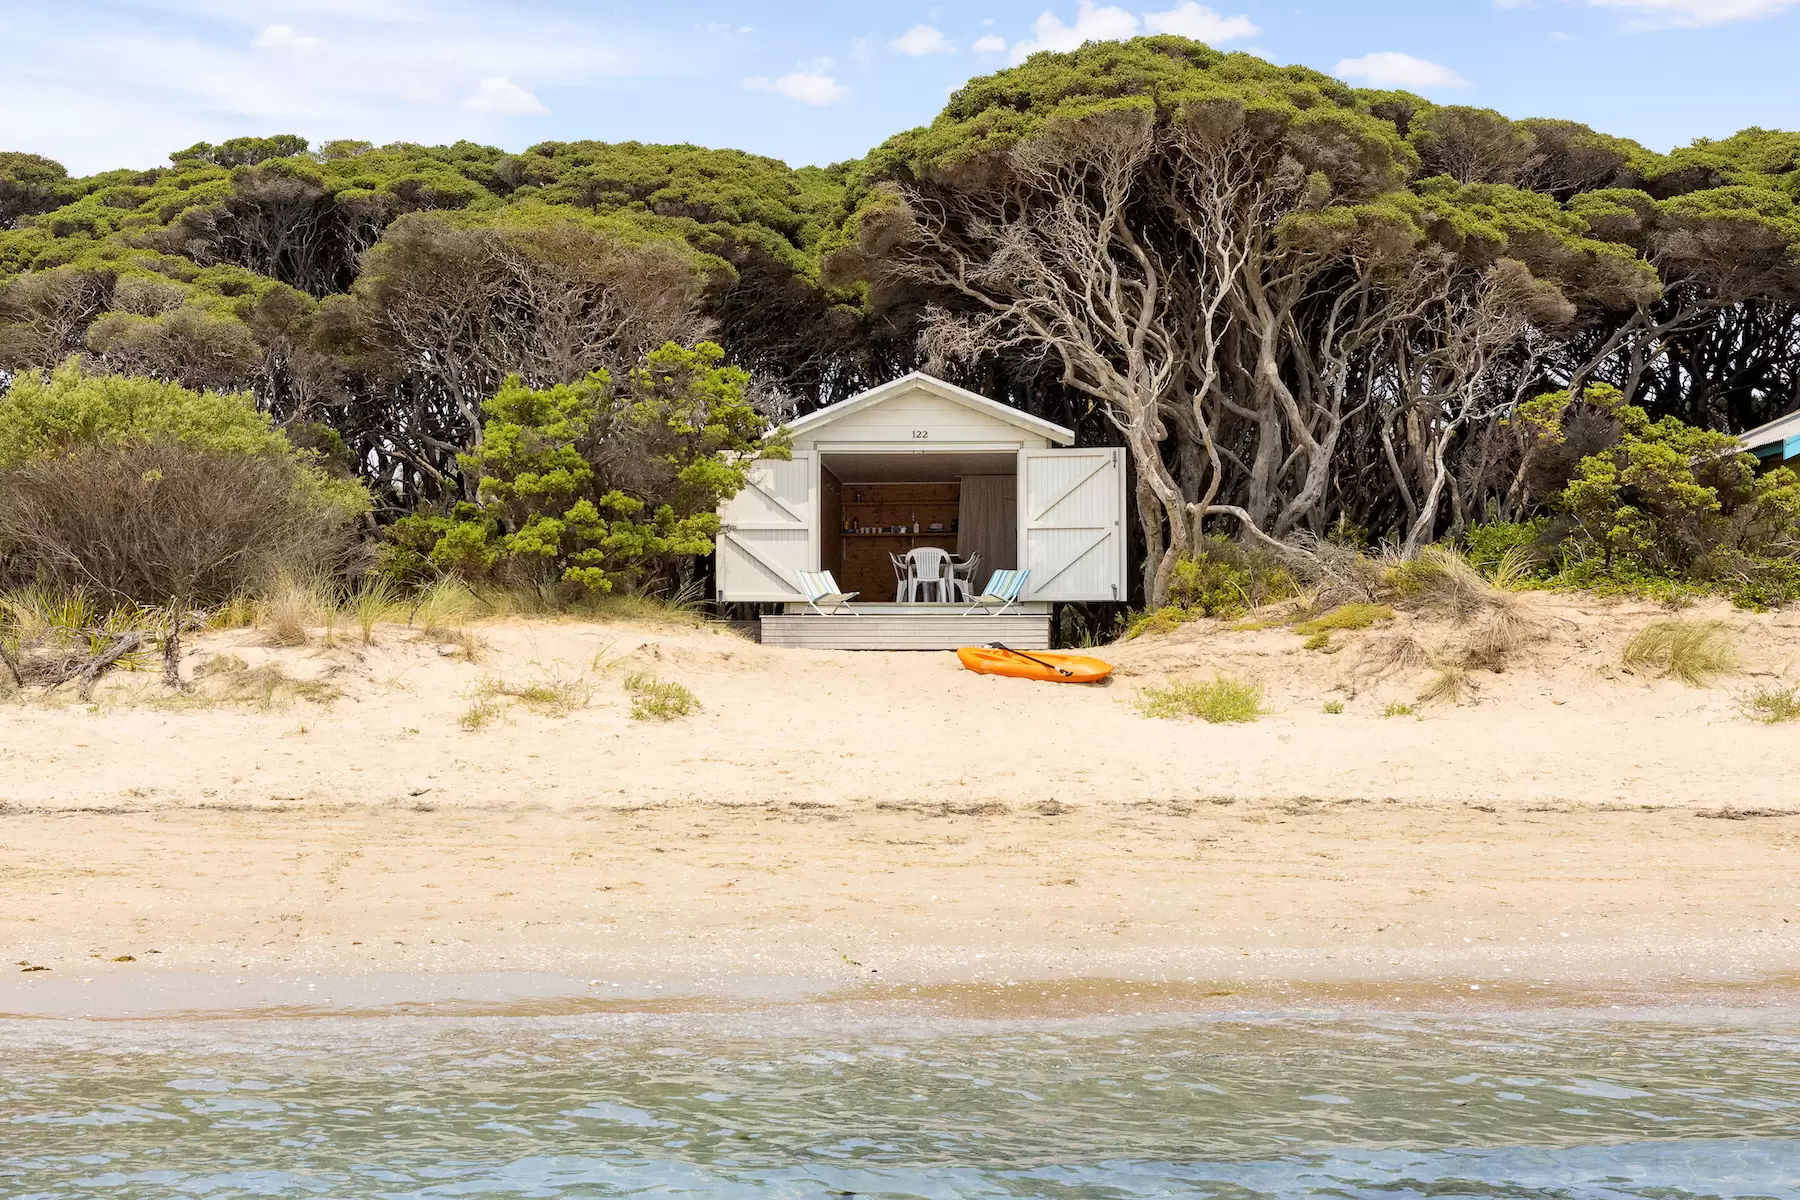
<point x="907" y="627"/>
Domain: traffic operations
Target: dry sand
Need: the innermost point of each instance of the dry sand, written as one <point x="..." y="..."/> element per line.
<point x="837" y="823"/>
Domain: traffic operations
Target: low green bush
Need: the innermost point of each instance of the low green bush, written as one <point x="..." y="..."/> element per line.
<point x="1489" y="546"/>
<point x="654" y="699"/>
<point x="1774" y="706"/>
<point x="1219" y="701"/>
<point x="1346" y="617"/>
<point x="1224" y="580"/>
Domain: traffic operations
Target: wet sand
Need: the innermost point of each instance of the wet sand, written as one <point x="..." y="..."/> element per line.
<point x="1051" y="910"/>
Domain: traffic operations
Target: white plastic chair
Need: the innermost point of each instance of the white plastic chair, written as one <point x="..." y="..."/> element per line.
<point x="902" y="576"/>
<point x="962" y="577"/>
<point x="930" y="569"/>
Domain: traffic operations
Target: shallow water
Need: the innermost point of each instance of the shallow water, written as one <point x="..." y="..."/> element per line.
<point x="882" y="1103"/>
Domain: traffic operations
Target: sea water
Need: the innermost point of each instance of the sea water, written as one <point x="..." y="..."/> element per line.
<point x="804" y="1103"/>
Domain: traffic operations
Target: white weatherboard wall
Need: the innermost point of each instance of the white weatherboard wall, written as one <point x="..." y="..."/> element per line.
<point x="917" y="420"/>
<point x="920" y="412"/>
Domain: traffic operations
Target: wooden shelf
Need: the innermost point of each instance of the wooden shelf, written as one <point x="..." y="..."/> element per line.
<point x="940" y="534"/>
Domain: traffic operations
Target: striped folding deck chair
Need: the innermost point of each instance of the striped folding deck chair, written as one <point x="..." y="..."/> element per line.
<point x="1003" y="588"/>
<point x="821" y="588"/>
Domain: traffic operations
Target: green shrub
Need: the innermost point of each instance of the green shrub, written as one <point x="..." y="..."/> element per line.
<point x="1318" y="641"/>
<point x="153" y="493"/>
<point x="44" y="415"/>
<point x="1763" y="584"/>
<point x="1493" y="547"/>
<point x="1218" y="702"/>
<point x="1397" y="709"/>
<point x="1226" y="579"/>
<point x="1670" y="498"/>
<point x="596" y="484"/>
<point x="1334" y="708"/>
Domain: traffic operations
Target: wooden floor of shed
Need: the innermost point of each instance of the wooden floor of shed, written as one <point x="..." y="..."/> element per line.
<point x="894" y="628"/>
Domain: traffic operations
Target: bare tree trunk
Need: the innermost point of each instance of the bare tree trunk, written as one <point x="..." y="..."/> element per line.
<point x="171" y="643"/>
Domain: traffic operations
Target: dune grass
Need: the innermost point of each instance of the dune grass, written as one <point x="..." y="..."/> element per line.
<point x="1398" y="709"/>
<point x="1345" y="617"/>
<point x="1694" y="652"/>
<point x="1219" y="701"/>
<point x="1773" y="705"/>
<point x="1443" y="582"/>
<point x="226" y="679"/>
<point x="654" y="699"/>
<point x="546" y="697"/>
<point x="1449" y="685"/>
<point x="481" y="713"/>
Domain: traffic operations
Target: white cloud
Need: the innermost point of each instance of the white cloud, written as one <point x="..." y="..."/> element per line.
<point x="1391" y="69"/>
<point x="283" y="37"/>
<point x="921" y="40"/>
<point x="1092" y="24"/>
<point x="1196" y="21"/>
<point x="805" y="86"/>
<point x="1095" y="23"/>
<point x="991" y="43"/>
<point x="144" y="78"/>
<point x="498" y="94"/>
<point x="1695" y="14"/>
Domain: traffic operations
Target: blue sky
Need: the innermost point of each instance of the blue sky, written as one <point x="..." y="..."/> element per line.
<point x="103" y="83"/>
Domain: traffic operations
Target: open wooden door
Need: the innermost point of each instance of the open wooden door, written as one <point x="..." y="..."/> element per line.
<point x="1072" y="523"/>
<point x="770" y="530"/>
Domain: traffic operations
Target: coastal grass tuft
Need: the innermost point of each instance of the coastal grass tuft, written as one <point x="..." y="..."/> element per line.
<point x="1694" y="652"/>
<point x="1346" y="617"/>
<point x="1449" y="685"/>
<point x="482" y="712"/>
<point x="372" y="603"/>
<point x="292" y="608"/>
<point x="1399" y="653"/>
<point x="654" y="699"/>
<point x="1444" y="582"/>
<point x="1773" y="705"/>
<point x="546" y="697"/>
<point x="1219" y="701"/>
<point x="1398" y="709"/>
<point x="227" y="679"/>
<point x="1334" y="708"/>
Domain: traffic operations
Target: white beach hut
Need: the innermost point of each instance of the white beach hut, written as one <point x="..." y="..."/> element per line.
<point x="922" y="463"/>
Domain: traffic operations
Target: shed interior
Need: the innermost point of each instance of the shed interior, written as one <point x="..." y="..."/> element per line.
<point x="879" y="505"/>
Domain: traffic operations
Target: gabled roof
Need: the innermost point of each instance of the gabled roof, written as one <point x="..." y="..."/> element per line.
<point x="937" y="387"/>
<point x="1780" y="438"/>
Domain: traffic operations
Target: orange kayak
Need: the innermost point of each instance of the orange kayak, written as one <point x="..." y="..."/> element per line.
<point x="1033" y="664"/>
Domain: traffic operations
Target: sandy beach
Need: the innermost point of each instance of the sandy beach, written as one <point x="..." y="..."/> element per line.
<point x="838" y="824"/>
